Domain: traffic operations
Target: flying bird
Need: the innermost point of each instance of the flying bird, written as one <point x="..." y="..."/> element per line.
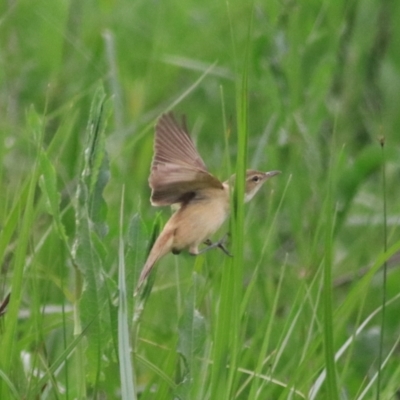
<point x="179" y="178"/>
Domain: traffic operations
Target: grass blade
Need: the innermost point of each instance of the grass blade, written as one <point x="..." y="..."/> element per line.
<point x="124" y="347"/>
<point x="384" y="282"/>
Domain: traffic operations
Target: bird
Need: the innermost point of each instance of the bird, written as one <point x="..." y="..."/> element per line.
<point x="180" y="178"/>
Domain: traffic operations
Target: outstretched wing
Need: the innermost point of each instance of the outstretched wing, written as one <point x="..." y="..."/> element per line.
<point x="177" y="170"/>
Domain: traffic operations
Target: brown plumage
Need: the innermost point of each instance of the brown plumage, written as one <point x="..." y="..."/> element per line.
<point x="177" y="168"/>
<point x="179" y="177"/>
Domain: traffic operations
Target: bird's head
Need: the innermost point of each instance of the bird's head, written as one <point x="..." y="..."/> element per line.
<point x="254" y="181"/>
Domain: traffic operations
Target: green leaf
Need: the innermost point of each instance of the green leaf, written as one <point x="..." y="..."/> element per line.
<point x="192" y="335"/>
<point x="124" y="346"/>
<point x="48" y="185"/>
<point x="89" y="251"/>
<point x="95" y="173"/>
<point x="26" y="212"/>
<point x="191" y="330"/>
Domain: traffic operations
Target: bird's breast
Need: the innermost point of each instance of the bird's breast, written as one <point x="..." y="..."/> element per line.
<point x="200" y="218"/>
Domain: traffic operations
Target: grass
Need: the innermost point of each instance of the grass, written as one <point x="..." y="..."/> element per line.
<point x="297" y="312"/>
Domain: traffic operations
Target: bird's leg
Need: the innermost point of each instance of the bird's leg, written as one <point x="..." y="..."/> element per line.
<point x="220" y="244"/>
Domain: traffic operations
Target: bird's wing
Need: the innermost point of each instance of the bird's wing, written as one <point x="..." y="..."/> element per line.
<point x="177" y="170"/>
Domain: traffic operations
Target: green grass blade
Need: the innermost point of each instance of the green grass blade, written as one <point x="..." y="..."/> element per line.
<point x="328" y="331"/>
<point x="57" y="365"/>
<point x="48" y="185"/>
<point x="384" y="281"/>
<point x="88" y="249"/>
<point x="124" y="347"/>
<point x="8" y="341"/>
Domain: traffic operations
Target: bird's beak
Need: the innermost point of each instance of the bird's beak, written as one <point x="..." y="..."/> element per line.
<point x="270" y="174"/>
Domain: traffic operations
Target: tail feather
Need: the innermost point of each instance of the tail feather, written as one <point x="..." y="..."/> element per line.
<point x="161" y="246"/>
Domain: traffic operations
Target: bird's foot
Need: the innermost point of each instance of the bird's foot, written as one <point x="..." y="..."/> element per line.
<point x="220" y="244"/>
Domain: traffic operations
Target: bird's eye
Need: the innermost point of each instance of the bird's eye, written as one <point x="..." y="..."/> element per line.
<point x="256" y="178"/>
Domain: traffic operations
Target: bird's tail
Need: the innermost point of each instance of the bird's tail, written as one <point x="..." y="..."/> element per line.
<point x="161" y="246"/>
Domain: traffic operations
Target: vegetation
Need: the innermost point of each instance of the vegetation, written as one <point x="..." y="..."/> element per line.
<point x="308" y="305"/>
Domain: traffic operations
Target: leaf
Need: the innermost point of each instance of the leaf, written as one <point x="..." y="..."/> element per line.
<point x="48" y="185"/>
<point x="191" y="330"/>
<point x="89" y="251"/>
<point x="95" y="173"/>
<point x="124" y="346"/>
<point x="192" y="335"/>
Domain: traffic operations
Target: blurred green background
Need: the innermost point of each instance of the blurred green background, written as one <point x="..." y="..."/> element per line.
<point x="323" y="88"/>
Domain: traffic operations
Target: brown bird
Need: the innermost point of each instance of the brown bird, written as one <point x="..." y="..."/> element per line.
<point x="180" y="178"/>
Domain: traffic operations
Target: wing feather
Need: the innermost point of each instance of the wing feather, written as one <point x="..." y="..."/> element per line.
<point x="177" y="170"/>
